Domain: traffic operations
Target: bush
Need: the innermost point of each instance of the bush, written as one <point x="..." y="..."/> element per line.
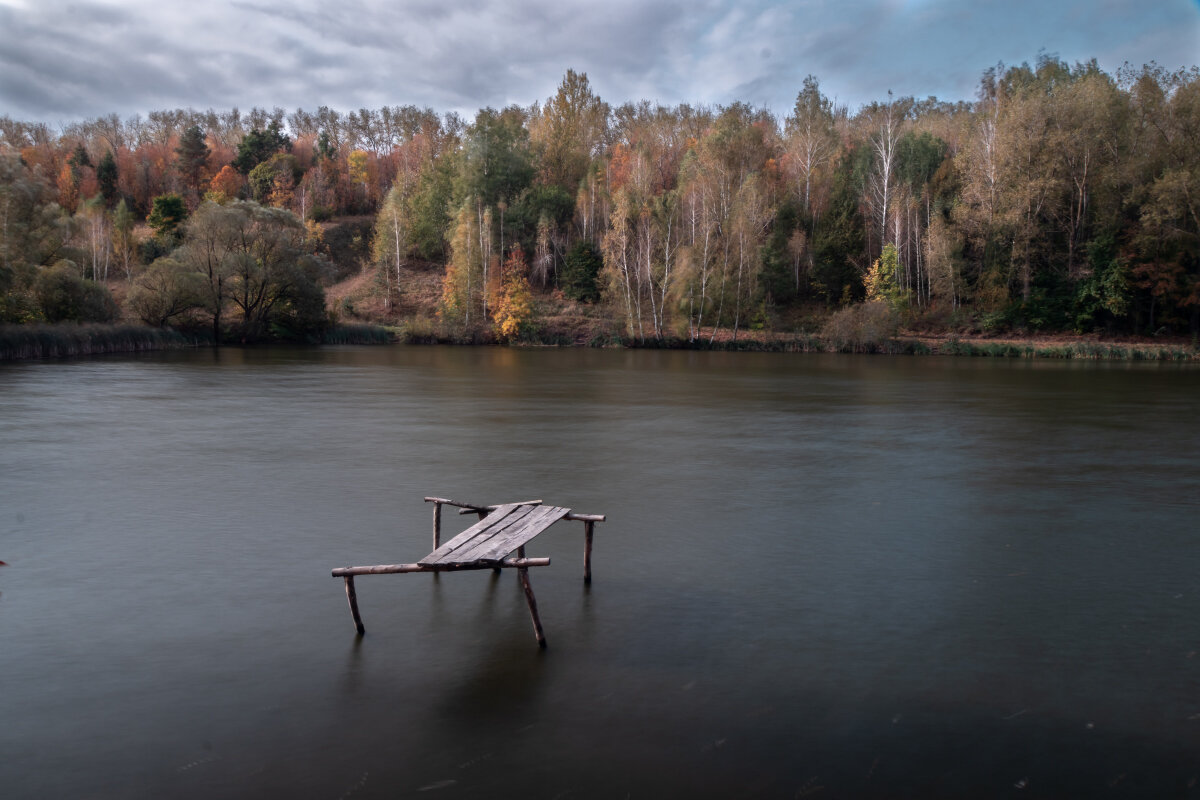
<point x="66" y="297"/>
<point x="861" y="328"/>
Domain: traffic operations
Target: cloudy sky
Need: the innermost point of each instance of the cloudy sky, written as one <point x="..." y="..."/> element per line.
<point x="63" y="60"/>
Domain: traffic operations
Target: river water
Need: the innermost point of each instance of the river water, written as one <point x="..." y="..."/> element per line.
<point x="821" y="575"/>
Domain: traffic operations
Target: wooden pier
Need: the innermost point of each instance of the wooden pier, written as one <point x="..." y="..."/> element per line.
<point x="501" y="531"/>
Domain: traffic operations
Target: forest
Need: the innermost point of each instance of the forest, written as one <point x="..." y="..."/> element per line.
<point x="1061" y="199"/>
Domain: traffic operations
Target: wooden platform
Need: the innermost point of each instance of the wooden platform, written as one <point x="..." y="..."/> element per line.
<point x="496" y="535"/>
<point x="489" y="543"/>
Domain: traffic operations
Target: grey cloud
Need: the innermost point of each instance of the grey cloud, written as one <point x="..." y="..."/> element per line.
<point x="460" y="56"/>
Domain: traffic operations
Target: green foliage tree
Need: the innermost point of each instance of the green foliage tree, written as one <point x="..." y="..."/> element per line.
<point x="280" y="170"/>
<point x="78" y="161"/>
<point x="496" y="162"/>
<point x="192" y="158"/>
<point x="881" y="281"/>
<point x="581" y="268"/>
<point x="839" y="240"/>
<point x="166" y="215"/>
<point x="107" y="176"/>
<point x="431" y="203"/>
<point x="780" y="269"/>
<point x="259" y="145"/>
<point x="256" y="269"/>
<point x="1103" y="298"/>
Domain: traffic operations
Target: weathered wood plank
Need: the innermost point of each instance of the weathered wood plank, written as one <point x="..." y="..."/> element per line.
<point x="392" y="569"/>
<point x="507" y="537"/>
<point x="457" y="548"/>
<point x="480" y="529"/>
<point x="498" y="523"/>
<point x="510" y="525"/>
<point x="504" y="542"/>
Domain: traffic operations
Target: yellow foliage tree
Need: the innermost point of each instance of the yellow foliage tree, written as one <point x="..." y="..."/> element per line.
<point x="357" y="161"/>
<point x="513" y="312"/>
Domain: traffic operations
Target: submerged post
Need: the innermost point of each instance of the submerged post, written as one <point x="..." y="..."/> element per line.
<point x="523" y="573"/>
<point x="437" y="524"/>
<point x="587" y="550"/>
<point x="352" y="598"/>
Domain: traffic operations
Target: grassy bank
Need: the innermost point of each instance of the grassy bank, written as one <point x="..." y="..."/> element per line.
<point x="18" y="342"/>
<point x="1082" y="349"/>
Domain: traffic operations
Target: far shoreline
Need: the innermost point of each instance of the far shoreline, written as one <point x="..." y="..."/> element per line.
<point x="45" y="342"/>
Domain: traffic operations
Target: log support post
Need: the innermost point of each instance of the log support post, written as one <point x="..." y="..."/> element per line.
<point x="437" y="524"/>
<point x="588" y="527"/>
<point x="523" y="573"/>
<point x="437" y="530"/>
<point x="352" y="598"/>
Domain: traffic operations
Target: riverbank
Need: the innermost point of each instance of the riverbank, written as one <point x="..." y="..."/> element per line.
<point x="24" y="342"/>
<point x="27" y="342"/>
<point x="21" y="342"/>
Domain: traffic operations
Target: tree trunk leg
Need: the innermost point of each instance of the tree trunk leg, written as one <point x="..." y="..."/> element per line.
<point x="523" y="573"/>
<point x="587" y="551"/>
<point x="437" y="525"/>
<point x="352" y="598"/>
<point x="437" y="532"/>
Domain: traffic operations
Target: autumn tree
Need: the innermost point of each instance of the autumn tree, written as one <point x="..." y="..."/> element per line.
<point x="811" y="138"/>
<point x="393" y="234"/>
<point x="226" y="185"/>
<point x="97" y="230"/>
<point x="513" y="309"/>
<point x="570" y="131"/>
<point x="463" y="286"/>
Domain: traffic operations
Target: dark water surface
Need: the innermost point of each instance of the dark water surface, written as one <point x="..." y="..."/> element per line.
<point x="821" y="576"/>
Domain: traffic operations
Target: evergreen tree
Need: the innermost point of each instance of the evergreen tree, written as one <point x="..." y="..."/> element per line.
<point x="192" y="159"/>
<point x="106" y="177"/>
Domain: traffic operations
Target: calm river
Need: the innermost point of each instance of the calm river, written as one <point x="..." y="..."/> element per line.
<point x="826" y="576"/>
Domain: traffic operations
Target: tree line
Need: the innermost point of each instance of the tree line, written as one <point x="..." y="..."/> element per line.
<point x="1061" y="198"/>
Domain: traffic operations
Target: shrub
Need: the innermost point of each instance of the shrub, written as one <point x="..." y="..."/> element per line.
<point x="66" y="297"/>
<point x="861" y="328"/>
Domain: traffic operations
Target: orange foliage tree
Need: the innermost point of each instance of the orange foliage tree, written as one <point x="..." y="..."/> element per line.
<point x="225" y="185"/>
